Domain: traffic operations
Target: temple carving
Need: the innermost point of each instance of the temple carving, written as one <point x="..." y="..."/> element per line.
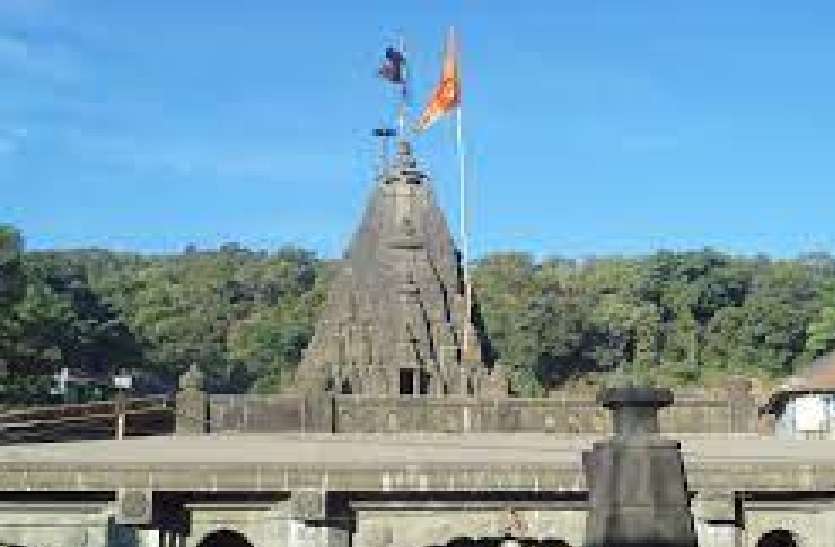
<point x="397" y="319"/>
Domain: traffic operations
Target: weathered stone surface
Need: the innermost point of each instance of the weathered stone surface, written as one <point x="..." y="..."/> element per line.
<point x="191" y="404"/>
<point x="56" y="524"/>
<point x="134" y="506"/>
<point x="398" y="319"/>
<point x="192" y="379"/>
<point x="307" y="505"/>
<point x="192" y="412"/>
<point x="260" y="524"/>
<point x="638" y="494"/>
<point x="256" y="413"/>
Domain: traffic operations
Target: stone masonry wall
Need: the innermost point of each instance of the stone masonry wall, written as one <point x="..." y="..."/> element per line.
<point x="562" y="415"/>
<point x="357" y="413"/>
<point x="252" y="413"/>
<point x="694" y="412"/>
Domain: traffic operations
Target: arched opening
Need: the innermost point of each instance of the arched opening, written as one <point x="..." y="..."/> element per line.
<point x="224" y="538"/>
<point x="777" y="538"/>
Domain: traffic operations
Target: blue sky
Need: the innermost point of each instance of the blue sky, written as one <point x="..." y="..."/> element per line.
<point x="594" y="127"/>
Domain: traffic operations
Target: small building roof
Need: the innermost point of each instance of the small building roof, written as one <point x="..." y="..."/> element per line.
<point x="819" y="377"/>
<point x="821" y="374"/>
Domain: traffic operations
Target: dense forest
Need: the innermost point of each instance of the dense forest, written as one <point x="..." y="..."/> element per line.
<point x="244" y="316"/>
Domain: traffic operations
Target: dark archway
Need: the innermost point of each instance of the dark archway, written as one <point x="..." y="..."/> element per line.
<point x="777" y="538"/>
<point x="224" y="538"/>
<point x="501" y="542"/>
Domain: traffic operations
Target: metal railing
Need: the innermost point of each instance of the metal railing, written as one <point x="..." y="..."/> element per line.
<point x="99" y="420"/>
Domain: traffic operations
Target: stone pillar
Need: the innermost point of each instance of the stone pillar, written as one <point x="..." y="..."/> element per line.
<point x="637" y="488"/>
<point x="192" y="404"/>
<point x="743" y="410"/>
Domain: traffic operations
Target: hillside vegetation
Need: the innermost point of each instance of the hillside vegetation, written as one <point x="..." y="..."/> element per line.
<point x="244" y="316"/>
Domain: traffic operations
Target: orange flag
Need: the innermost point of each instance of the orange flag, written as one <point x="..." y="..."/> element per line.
<point x="448" y="93"/>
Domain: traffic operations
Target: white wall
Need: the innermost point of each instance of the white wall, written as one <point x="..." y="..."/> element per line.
<point x="790" y="424"/>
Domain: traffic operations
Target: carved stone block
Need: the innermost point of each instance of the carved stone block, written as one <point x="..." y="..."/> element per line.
<point x="192" y="412"/>
<point x="307" y="505"/>
<point x="134" y="507"/>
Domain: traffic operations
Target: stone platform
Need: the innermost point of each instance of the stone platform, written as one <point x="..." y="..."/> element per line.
<point x="385" y="490"/>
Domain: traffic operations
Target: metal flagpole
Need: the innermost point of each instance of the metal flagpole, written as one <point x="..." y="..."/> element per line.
<point x="465" y="252"/>
<point x="401" y="114"/>
<point x="459" y="148"/>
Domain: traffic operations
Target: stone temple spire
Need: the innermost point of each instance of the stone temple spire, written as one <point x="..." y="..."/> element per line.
<point x="396" y="316"/>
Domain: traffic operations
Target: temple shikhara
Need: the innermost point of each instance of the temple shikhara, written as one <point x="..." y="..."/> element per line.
<point x="398" y="320"/>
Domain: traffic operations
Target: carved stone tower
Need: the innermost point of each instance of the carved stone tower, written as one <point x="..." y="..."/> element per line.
<point x="396" y="318"/>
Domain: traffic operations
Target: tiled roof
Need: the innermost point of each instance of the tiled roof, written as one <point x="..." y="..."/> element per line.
<point x="818" y="378"/>
<point x="821" y="374"/>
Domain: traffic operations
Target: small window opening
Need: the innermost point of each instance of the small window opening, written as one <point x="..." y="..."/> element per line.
<point x="425" y="380"/>
<point x="407" y="381"/>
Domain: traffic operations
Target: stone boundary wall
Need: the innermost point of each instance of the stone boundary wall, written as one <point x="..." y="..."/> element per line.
<point x="694" y="412"/>
<point x="253" y="413"/>
<point x="700" y="411"/>
<point x="691" y="414"/>
<point x="367" y="414"/>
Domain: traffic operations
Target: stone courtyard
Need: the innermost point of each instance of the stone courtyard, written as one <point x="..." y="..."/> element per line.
<point x="379" y="490"/>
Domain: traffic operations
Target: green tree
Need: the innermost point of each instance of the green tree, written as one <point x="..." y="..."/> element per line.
<point x="768" y="333"/>
<point x="12" y="280"/>
<point x="822" y="329"/>
<point x="646" y="320"/>
<point x="503" y="283"/>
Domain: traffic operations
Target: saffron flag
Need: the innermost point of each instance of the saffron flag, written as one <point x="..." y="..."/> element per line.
<point x="448" y="93"/>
